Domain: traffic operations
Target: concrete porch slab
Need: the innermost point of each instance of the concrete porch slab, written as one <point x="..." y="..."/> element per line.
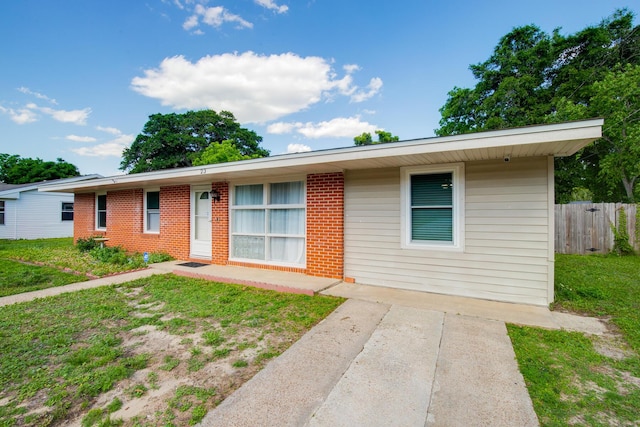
<point x="520" y="314"/>
<point x="281" y="281"/>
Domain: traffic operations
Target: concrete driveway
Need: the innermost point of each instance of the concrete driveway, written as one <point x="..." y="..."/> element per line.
<point x="378" y="364"/>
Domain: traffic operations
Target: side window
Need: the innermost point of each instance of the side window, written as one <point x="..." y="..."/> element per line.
<point x="433" y="207"/>
<point x="101" y="212"/>
<point x="67" y="211"/>
<point x="1" y="212"/>
<point x="152" y="211"/>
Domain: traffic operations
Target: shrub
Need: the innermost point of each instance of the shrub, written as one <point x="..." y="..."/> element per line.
<point x="110" y="254"/>
<point x="86" y="245"/>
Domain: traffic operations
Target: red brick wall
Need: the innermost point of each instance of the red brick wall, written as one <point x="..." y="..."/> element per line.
<point x="84" y="216"/>
<point x="220" y="225"/>
<point x="175" y="213"/>
<point x="125" y="222"/>
<point x="325" y="225"/>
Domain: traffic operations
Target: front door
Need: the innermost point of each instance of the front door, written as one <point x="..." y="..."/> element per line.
<point x="200" y="222"/>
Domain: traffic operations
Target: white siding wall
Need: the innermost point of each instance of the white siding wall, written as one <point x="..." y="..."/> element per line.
<point x="506" y="242"/>
<point x="36" y="215"/>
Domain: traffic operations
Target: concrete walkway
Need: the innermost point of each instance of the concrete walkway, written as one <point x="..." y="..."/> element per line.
<point x="104" y="281"/>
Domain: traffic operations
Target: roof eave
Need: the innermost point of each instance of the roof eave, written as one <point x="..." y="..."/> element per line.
<point x="561" y="139"/>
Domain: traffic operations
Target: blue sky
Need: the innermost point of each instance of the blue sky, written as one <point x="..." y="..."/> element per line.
<point x="79" y="78"/>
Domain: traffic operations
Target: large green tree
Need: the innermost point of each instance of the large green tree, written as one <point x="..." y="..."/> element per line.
<point x="532" y="76"/>
<point x="18" y="170"/>
<point x="176" y="140"/>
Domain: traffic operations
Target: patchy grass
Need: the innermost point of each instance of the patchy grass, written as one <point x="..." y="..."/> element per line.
<point x="574" y="379"/>
<point x="16" y="277"/>
<point x="87" y="356"/>
<point x="63" y="256"/>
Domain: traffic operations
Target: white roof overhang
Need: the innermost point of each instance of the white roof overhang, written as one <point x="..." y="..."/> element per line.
<point x="558" y="140"/>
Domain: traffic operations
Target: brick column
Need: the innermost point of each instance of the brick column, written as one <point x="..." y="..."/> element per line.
<point x="325" y="225"/>
<point x="220" y="225"/>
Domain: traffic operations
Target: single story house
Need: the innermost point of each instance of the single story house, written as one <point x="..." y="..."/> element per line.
<point x="469" y="215"/>
<point x="26" y="213"/>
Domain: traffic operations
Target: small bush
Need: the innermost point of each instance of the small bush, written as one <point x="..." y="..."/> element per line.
<point x="86" y="245"/>
<point x="110" y="254"/>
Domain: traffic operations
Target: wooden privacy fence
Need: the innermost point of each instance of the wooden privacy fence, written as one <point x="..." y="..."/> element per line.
<point x="586" y="227"/>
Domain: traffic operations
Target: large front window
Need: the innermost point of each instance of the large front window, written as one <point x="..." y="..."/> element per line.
<point x="432" y="201"/>
<point x="268" y="222"/>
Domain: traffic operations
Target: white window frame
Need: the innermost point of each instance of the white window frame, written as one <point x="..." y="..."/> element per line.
<point x="146" y="211"/>
<point x="266" y="185"/>
<point x="63" y="211"/>
<point x="458" y="178"/>
<point x="3" y="210"/>
<point x="98" y="212"/>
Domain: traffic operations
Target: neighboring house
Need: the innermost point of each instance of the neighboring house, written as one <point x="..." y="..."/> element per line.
<point x="469" y="215"/>
<point x="26" y="213"/>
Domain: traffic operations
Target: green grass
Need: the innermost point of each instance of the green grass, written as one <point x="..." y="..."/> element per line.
<point x="60" y="353"/>
<point x="63" y="350"/>
<point x="48" y="262"/>
<point x="571" y="383"/>
<point x="16" y="277"/>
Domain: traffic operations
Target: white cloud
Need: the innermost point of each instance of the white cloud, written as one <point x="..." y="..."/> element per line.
<point x="339" y="127"/>
<point x="108" y="149"/>
<point x="38" y="95"/>
<point x="373" y="88"/>
<point x="214" y="16"/>
<point x="297" y="148"/>
<point x="113" y="148"/>
<point x="21" y="116"/>
<point x="28" y="114"/>
<point x="76" y="138"/>
<point x="255" y="88"/>
<point x="112" y="131"/>
<point x="78" y="117"/>
<point x="271" y="5"/>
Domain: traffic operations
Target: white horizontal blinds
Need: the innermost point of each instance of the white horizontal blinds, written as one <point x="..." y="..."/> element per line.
<point x="268" y="222"/>
<point x="153" y="211"/>
<point x="432" y="207"/>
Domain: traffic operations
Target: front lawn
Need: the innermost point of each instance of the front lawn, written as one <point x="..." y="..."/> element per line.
<point x="46" y="262"/>
<point x="16" y="277"/>
<point x="159" y="351"/>
<point x="575" y="379"/>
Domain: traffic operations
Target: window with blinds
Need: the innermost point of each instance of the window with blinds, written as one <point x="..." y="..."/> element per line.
<point x="101" y="212"/>
<point x="432" y="206"/>
<point x="152" y="211"/>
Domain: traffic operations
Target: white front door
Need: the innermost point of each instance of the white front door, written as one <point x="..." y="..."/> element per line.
<point x="200" y="222"/>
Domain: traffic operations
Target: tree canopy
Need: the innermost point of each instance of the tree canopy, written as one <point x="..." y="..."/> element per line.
<point x="533" y="77"/>
<point x="18" y="170"/>
<point x="176" y="140"/>
<point x="383" y="137"/>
